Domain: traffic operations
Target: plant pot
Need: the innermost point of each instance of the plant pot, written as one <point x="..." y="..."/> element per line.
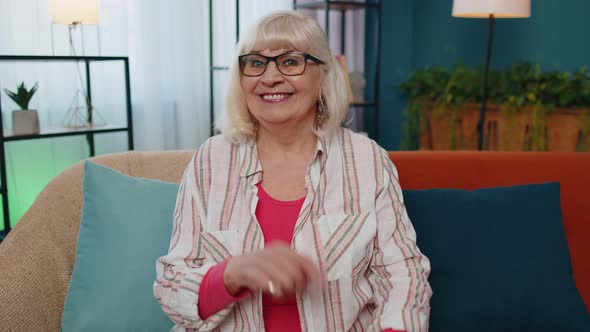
<point x="502" y="131"/>
<point x="565" y="129"/>
<point x="436" y="130"/>
<point x="25" y="122"/>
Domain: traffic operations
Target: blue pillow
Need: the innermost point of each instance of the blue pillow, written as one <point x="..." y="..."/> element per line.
<point x="125" y="227"/>
<point x="499" y="258"/>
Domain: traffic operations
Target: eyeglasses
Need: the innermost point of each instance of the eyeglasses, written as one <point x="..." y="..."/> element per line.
<point x="289" y="64"/>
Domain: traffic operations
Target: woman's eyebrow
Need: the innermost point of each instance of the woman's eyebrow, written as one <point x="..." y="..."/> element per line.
<point x="283" y="51"/>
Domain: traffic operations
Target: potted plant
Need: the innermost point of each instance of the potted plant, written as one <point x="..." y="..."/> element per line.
<point x="24" y="121"/>
<point x="528" y="110"/>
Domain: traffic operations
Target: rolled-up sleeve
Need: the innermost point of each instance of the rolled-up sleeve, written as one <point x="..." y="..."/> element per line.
<point x="181" y="271"/>
<point x="399" y="271"/>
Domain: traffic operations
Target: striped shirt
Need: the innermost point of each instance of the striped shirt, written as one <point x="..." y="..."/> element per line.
<point x="353" y="225"/>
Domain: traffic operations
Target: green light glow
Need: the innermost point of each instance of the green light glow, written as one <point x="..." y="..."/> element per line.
<point x="31" y="165"/>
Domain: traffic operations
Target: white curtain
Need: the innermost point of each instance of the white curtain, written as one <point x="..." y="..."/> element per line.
<point x="167" y="42"/>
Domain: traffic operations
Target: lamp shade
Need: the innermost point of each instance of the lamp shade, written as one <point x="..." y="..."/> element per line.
<point x="74" y="11"/>
<point x="499" y="8"/>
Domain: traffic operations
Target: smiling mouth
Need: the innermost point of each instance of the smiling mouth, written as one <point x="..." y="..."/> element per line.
<point x="277" y="97"/>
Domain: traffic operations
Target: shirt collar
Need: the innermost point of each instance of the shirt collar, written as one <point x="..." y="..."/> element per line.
<point x="251" y="164"/>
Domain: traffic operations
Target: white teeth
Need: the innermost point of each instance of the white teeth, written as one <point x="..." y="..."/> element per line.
<point x="275" y="97"/>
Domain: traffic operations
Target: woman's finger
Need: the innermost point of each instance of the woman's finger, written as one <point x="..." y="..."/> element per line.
<point x="284" y="279"/>
<point x="256" y="280"/>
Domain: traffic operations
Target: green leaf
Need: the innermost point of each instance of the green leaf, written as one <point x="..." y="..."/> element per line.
<point x="22" y="96"/>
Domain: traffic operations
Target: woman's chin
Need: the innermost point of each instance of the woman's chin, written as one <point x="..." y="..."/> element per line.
<point x="275" y="114"/>
<point x="277" y="121"/>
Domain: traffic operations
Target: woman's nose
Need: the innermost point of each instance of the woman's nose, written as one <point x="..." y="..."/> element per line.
<point x="271" y="75"/>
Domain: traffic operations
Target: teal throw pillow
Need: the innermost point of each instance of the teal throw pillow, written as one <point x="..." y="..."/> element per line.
<point x="499" y="259"/>
<point x="125" y="227"/>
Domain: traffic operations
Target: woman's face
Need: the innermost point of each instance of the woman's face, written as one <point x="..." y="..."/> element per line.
<point x="277" y="99"/>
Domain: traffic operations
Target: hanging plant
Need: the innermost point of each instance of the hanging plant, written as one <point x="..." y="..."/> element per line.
<point x="411" y="127"/>
<point x="584" y="141"/>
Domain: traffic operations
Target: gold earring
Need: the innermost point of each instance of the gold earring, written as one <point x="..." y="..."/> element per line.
<point x="320" y="112"/>
<point x="319" y="116"/>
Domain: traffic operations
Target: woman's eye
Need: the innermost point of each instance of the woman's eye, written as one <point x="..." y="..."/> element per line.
<point x="290" y="62"/>
<point x="256" y="63"/>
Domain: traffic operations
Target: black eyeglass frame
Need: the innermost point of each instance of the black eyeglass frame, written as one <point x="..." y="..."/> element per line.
<point x="306" y="56"/>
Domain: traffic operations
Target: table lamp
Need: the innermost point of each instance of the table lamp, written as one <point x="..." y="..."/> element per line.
<point x="74" y="13"/>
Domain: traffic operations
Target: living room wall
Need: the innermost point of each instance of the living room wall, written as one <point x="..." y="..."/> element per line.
<point x="420" y="33"/>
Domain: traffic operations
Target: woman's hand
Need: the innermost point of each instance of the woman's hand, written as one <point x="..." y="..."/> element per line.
<point x="277" y="270"/>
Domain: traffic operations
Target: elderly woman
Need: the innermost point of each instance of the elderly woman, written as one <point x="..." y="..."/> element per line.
<point x="287" y="221"/>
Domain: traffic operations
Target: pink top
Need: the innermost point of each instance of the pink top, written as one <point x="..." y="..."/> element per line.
<point x="277" y="221"/>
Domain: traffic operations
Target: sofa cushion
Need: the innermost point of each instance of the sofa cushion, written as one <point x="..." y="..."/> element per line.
<point x="125" y="227"/>
<point x="499" y="258"/>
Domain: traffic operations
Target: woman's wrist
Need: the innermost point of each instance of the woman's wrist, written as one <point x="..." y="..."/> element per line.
<point x="229" y="281"/>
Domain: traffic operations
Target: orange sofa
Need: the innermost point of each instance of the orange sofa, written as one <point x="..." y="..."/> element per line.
<point x="471" y="170"/>
<point x="40" y="250"/>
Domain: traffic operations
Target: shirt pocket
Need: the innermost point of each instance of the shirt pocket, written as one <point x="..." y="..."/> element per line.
<point x="347" y="243"/>
<point x="221" y="245"/>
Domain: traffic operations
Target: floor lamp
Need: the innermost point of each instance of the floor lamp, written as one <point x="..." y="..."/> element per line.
<point x="74" y="14"/>
<point x="490" y="9"/>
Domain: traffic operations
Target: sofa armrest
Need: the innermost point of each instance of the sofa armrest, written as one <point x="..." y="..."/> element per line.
<point x="37" y="257"/>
